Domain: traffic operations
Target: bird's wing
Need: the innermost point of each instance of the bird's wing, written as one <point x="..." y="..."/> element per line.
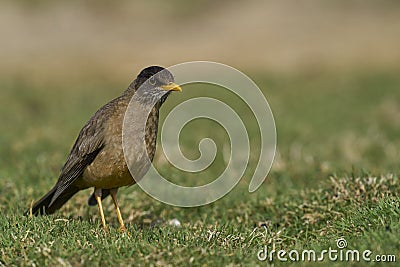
<point x="88" y="144"/>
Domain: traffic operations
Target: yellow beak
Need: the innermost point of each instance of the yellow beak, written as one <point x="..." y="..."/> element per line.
<point x="172" y="87"/>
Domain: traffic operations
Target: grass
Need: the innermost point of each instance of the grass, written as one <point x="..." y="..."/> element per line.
<point x="335" y="175"/>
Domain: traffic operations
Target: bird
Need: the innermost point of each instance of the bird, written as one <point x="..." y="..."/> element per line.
<point x="97" y="160"/>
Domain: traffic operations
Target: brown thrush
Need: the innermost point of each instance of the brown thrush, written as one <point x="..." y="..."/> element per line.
<point x="97" y="157"/>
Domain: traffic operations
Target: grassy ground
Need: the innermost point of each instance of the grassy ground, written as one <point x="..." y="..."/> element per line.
<point x="336" y="175"/>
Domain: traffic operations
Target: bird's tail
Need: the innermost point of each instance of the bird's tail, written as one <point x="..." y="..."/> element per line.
<point x="43" y="206"/>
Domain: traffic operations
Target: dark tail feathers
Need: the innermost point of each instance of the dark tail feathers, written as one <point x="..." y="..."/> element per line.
<point x="43" y="206"/>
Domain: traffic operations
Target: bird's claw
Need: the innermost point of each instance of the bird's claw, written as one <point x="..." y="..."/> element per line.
<point x="123" y="230"/>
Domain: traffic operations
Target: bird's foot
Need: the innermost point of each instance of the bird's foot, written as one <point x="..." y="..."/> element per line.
<point x="123" y="230"/>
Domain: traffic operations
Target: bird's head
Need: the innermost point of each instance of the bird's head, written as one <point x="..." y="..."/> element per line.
<point x="156" y="82"/>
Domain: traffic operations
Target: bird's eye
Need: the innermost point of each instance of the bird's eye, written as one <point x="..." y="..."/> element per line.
<point x="152" y="81"/>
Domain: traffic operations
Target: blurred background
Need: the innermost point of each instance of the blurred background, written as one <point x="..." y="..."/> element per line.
<point x="48" y="40"/>
<point x="329" y="69"/>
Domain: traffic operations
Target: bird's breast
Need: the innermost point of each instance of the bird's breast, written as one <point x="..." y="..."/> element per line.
<point x="109" y="169"/>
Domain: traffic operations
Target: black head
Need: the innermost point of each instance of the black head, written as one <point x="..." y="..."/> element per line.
<point x="156" y="76"/>
<point x="157" y="82"/>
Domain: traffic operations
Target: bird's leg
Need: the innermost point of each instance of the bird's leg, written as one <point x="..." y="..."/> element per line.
<point x="97" y="195"/>
<point x="113" y="193"/>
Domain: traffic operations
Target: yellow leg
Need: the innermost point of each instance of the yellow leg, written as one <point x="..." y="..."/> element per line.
<point x="113" y="193"/>
<point x="97" y="195"/>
